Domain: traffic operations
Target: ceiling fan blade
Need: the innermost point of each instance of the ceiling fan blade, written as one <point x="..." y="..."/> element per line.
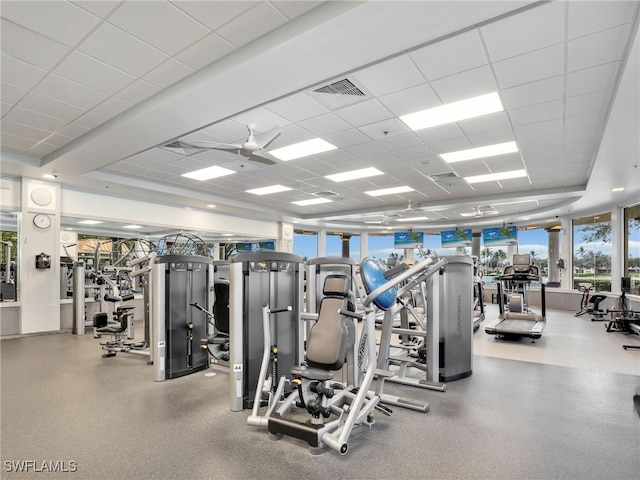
<point x="263" y="156"/>
<point x="219" y="146"/>
<point x="264" y="139"/>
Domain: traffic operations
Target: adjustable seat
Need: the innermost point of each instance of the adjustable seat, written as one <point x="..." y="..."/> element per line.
<point x="115" y="329"/>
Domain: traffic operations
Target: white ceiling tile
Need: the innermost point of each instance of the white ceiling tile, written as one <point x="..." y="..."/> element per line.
<point x="11" y="94"/>
<point x="61" y="21"/>
<point x="92" y="73"/>
<point x="294" y="8"/>
<point x="498" y="121"/>
<point x="491" y="137"/>
<point x="41" y="149"/>
<point x="386" y="128"/>
<point x="590" y="17"/>
<point x="583" y="120"/>
<point x="296" y="107"/>
<point x="536" y="113"/>
<point x="34" y="119"/>
<point x="67" y="91"/>
<point x="390" y="76"/>
<point x="410" y="100"/>
<point x="112" y="106"/>
<point x="23" y="131"/>
<point x="214" y="14"/>
<point x="364" y="149"/>
<point x="206" y="51"/>
<point x="541" y="129"/>
<point x="165" y="27"/>
<point x="4" y="108"/>
<point x="91" y="120"/>
<point x="263" y="18"/>
<point x="20" y="73"/>
<point x="73" y="130"/>
<point x="529" y="30"/>
<point x="264" y="119"/>
<point x="18" y="144"/>
<point x="168" y="73"/>
<point x="436" y="60"/>
<point x="530" y="67"/>
<point x="101" y="8"/>
<point x="364" y="113"/>
<point x="535" y="92"/>
<point x="122" y="50"/>
<point x="596" y="49"/>
<point x="56" y="140"/>
<point x="400" y="142"/>
<point x="593" y="79"/>
<point x="30" y="47"/>
<point x="137" y="91"/>
<point x="441" y="133"/>
<point x="588" y="102"/>
<point x="465" y="85"/>
<point x="324" y="124"/>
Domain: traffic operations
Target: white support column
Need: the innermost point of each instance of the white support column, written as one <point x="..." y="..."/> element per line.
<point x="322" y="243"/>
<point x="39" y="233"/>
<point x="566" y="253"/>
<point x="617" y="248"/>
<point x="364" y="244"/>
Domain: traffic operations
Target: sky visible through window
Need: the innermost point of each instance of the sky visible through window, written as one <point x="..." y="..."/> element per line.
<point x="382" y="246"/>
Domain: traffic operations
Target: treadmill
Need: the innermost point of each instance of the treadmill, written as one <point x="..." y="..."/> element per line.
<point x="514" y="286"/>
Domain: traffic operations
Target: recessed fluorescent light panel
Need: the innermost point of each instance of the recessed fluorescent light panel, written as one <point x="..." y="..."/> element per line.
<point x="302" y="149"/>
<point x="354" y="174"/>
<point x="480" y="152"/>
<point x="90" y="222"/>
<point x="132" y="227"/>
<point x="413" y="219"/>
<point x="617" y="189"/>
<point x="454" y="112"/>
<point x="312" y="201"/>
<point x="268" y="190"/>
<point x="496" y="176"/>
<point x="389" y="191"/>
<point x="208" y="173"/>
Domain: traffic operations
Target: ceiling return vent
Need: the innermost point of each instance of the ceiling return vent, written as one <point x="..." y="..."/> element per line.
<point x="181" y="147"/>
<point x="326" y="193"/>
<point x="444" y="177"/>
<point x="338" y="94"/>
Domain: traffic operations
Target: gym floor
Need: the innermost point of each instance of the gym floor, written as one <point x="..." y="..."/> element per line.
<point x="561" y="407"/>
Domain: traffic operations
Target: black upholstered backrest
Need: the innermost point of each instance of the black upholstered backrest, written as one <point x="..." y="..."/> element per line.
<point x="221" y="305"/>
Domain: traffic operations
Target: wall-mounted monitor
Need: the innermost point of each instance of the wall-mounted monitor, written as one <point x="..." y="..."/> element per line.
<point x="456" y="238"/>
<point x="407" y="239"/>
<point x="500" y="236"/>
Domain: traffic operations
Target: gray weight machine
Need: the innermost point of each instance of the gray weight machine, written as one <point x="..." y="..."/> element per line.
<point x="258" y="279"/>
<point x="178" y="328"/>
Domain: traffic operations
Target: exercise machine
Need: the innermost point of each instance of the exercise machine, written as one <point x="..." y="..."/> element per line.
<point x="478" y="294"/>
<point x="590" y="304"/>
<point x="335" y="409"/>
<point x="623" y="319"/>
<point x="258" y="279"/>
<point x="516" y="319"/>
<point x="7" y="275"/>
<point x="178" y="328"/>
<point x="117" y="328"/>
<point x="446" y="338"/>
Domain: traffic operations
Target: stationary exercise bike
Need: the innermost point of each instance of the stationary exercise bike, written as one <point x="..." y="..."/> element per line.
<point x="590" y="304"/>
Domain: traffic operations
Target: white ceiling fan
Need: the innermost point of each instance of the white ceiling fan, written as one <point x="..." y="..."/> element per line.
<point x="481" y="211"/>
<point x="252" y="147"/>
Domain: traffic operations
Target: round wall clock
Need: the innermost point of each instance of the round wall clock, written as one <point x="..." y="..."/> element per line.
<point x="42" y="220"/>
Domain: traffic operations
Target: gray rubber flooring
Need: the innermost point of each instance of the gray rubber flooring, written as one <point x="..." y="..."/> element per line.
<point x="511" y="419"/>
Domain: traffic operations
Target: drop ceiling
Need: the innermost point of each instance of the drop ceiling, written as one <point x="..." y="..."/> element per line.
<point x="95" y="94"/>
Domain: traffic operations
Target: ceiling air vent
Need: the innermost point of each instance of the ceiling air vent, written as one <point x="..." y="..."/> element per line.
<point x="181" y="147"/>
<point x="338" y="94"/>
<point x="326" y="193"/>
<point x="444" y="177"/>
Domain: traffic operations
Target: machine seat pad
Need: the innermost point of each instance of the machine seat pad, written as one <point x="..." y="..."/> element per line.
<point x="311" y="373"/>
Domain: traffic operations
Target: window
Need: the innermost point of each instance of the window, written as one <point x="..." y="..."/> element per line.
<point x="592" y="251"/>
<point x="305" y="244"/>
<point x="632" y="247"/>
